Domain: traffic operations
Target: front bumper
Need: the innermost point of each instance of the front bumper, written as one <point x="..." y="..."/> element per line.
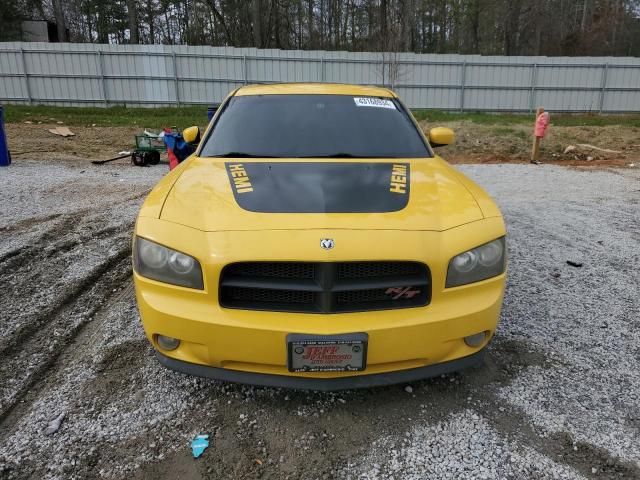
<point x="322" y="384"/>
<point x="250" y="346"/>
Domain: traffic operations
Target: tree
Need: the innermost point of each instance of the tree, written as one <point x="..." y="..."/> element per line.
<point x="9" y="20"/>
<point x="60" y="23"/>
<point x="132" y="13"/>
<point x="490" y="27"/>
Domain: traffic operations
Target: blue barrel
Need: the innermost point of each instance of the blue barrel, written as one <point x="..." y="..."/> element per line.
<point x="211" y="111"/>
<point x="5" y="159"/>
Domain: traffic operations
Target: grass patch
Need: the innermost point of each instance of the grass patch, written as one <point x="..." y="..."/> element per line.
<point x="510" y="132"/>
<point x="558" y="119"/>
<point x="503" y="131"/>
<point x="109" y="117"/>
<point x="522" y="135"/>
<point x="197" y="115"/>
<point x="439" y="116"/>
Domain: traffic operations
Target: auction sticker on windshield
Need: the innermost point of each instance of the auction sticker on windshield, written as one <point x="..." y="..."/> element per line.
<point x="374" y="102"/>
<point x="333" y="353"/>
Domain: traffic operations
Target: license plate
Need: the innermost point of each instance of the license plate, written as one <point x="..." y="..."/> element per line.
<point x="327" y="353"/>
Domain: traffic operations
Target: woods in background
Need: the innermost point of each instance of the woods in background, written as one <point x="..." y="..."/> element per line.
<point x="489" y="27"/>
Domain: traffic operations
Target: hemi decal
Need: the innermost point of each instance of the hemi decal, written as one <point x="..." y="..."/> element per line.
<point x="399" y="179"/>
<point x="240" y="178"/>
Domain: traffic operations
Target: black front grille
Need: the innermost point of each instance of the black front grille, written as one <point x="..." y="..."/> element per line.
<point x="272" y="269"/>
<point x="363" y="296"/>
<point x="378" y="269"/>
<point x="325" y="287"/>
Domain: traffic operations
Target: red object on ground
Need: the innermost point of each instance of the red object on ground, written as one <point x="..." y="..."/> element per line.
<point x="177" y="149"/>
<point x="173" y="160"/>
<point x="542" y="122"/>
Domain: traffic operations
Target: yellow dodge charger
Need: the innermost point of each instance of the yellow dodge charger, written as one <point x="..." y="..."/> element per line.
<point x="315" y="241"/>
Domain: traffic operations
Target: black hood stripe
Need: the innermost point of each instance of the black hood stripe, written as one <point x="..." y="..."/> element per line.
<point x="320" y="187"/>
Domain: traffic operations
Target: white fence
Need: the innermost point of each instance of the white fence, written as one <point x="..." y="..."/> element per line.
<point x="155" y="75"/>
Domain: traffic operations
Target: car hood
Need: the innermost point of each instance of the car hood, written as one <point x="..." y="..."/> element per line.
<point x="213" y="194"/>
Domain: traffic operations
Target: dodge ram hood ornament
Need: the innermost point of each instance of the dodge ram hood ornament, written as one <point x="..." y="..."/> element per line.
<point x="327" y="243"/>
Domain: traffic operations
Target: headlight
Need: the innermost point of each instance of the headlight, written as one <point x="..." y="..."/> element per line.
<point x="160" y="263"/>
<point x="480" y="263"/>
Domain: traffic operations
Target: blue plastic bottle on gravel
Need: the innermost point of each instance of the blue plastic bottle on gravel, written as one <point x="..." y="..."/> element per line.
<point x="5" y="158"/>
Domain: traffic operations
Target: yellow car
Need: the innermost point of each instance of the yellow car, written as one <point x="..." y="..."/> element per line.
<point x="315" y="241"/>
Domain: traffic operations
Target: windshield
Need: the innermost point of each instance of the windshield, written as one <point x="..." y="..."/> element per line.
<point x="329" y="126"/>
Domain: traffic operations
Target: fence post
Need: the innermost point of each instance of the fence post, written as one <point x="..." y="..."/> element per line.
<point x="603" y="85"/>
<point x="532" y="92"/>
<point x="175" y="78"/>
<point x="244" y="69"/>
<point x="25" y="76"/>
<point x="462" y="84"/>
<point x="322" y="69"/>
<point x="103" y="88"/>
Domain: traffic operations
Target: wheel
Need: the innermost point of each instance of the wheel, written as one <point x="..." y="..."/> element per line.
<point x="153" y="158"/>
<point x="146" y="156"/>
<point x="138" y="159"/>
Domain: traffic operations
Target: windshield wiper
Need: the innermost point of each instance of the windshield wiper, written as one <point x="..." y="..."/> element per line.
<point x="334" y="155"/>
<point x="240" y="155"/>
<point x="347" y="155"/>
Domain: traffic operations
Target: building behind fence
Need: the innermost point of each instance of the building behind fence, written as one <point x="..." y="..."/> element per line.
<point x="159" y="75"/>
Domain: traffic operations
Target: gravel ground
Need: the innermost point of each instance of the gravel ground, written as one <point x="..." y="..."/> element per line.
<point x="558" y="396"/>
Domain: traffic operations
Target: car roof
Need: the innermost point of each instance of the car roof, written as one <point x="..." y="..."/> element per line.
<point x="314" y="89"/>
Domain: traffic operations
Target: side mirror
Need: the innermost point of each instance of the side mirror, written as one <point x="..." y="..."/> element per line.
<point x="191" y="135"/>
<point x="440" y="136"/>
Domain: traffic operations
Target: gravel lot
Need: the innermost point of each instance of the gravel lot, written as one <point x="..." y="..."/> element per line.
<point x="558" y="397"/>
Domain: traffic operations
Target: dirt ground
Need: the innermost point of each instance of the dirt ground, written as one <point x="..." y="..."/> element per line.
<point x="474" y="143"/>
<point x="94" y="143"/>
<point x="512" y="144"/>
<point x="557" y="396"/>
